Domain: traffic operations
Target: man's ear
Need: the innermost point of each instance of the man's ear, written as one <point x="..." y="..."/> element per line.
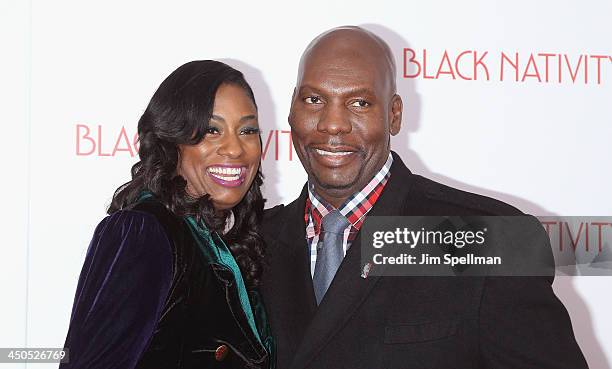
<point x="395" y="114"/>
<point x="291" y="107"/>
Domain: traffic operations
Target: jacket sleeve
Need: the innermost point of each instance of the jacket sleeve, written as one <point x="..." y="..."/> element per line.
<point x="524" y="325"/>
<point x="121" y="292"/>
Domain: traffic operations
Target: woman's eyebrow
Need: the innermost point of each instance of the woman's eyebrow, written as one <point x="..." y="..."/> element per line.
<point x="248" y="117"/>
<point x="242" y="120"/>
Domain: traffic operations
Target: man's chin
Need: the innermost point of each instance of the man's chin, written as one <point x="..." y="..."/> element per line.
<point x="336" y="184"/>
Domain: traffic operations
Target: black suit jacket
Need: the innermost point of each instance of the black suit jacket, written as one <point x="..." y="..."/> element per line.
<point x="409" y="322"/>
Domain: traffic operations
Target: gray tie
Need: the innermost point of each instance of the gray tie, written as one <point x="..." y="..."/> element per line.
<point x="329" y="252"/>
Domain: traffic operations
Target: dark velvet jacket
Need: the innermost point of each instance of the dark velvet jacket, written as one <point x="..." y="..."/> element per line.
<point x="157" y="291"/>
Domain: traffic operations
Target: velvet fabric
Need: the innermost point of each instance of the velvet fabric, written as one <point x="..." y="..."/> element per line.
<point x="149" y="296"/>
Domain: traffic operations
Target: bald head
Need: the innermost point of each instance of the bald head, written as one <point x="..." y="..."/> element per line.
<point x="350" y="42"/>
<point x="344" y="110"/>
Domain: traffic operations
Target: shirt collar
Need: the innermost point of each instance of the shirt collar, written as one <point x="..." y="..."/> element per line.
<point x="354" y="208"/>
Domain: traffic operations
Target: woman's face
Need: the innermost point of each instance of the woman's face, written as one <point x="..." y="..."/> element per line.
<point x="226" y="161"/>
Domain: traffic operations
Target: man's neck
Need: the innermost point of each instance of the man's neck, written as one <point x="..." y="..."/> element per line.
<point x="337" y="197"/>
<point x="334" y="200"/>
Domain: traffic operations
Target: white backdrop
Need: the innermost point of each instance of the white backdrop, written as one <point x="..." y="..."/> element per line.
<point x="74" y="74"/>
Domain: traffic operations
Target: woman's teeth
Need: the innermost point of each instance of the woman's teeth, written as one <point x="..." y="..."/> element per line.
<point x="331" y="153"/>
<point x="226" y="174"/>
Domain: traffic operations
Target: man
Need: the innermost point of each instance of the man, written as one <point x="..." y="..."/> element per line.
<point x="322" y="312"/>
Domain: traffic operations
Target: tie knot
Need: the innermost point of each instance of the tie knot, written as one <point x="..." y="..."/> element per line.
<point x="334" y="222"/>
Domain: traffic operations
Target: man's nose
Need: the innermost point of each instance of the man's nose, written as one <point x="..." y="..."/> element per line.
<point x="334" y="120"/>
<point x="231" y="146"/>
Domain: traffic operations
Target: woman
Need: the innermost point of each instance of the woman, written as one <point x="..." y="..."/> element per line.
<point x="170" y="277"/>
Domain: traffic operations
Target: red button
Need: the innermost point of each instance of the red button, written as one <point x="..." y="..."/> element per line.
<point x="221" y="352"/>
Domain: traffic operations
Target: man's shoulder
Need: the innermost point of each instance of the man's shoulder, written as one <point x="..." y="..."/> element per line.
<point x="435" y="195"/>
<point x="274" y="212"/>
<point x="276" y="218"/>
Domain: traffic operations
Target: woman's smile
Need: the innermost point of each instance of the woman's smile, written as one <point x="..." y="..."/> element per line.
<point x="225" y="162"/>
<point x="227" y="175"/>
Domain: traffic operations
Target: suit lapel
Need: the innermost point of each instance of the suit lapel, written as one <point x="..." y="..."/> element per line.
<point x="293" y="240"/>
<point x="348" y="290"/>
<point x="288" y="281"/>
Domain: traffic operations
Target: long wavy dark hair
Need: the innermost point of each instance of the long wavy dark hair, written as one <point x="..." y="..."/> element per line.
<point x="178" y="114"/>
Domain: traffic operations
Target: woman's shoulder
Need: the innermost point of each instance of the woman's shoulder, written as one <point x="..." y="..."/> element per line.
<point x="129" y="222"/>
<point x="144" y="216"/>
<point x="133" y="234"/>
<point x="128" y="272"/>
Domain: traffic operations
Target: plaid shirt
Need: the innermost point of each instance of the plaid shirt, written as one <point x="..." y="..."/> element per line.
<point x="354" y="209"/>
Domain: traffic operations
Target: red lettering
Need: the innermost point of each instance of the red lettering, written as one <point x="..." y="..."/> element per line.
<point x="290" y="144"/>
<point x="572" y="241"/>
<point x="123" y="137"/>
<point x="85" y="136"/>
<point x="514" y="65"/>
<point x="535" y="67"/>
<point x="267" y="145"/>
<point x="559" y="67"/>
<point x="586" y="70"/>
<point x="413" y="61"/>
<point x="561" y="235"/>
<point x="547" y="226"/>
<point x="574" y="72"/>
<point x="478" y="62"/>
<point x="598" y="58"/>
<point x="599" y="225"/>
<point x="440" y="71"/>
<point x="100" y="153"/>
<point x="457" y="66"/>
<point x="546" y="56"/>
<point x="587" y="236"/>
<point x="425" y="66"/>
<point x="276" y="144"/>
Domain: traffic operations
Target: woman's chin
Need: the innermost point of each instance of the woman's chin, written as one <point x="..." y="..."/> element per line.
<point x="222" y="205"/>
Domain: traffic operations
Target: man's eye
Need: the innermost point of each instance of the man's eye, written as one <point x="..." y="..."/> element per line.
<point x="360" y="104"/>
<point x="312" y="100"/>
<point x="212" y="130"/>
<point x="249" y="131"/>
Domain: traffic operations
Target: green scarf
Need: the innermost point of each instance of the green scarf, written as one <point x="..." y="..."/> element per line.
<point x="216" y="251"/>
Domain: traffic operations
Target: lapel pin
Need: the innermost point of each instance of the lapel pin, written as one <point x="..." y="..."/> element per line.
<point x="366" y="270"/>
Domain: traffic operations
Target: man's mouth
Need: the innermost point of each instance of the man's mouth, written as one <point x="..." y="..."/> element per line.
<point x="333" y="153"/>
<point x="227" y="175"/>
<point x="334" y="156"/>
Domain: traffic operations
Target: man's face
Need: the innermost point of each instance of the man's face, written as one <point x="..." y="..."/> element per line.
<point x="340" y="116"/>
